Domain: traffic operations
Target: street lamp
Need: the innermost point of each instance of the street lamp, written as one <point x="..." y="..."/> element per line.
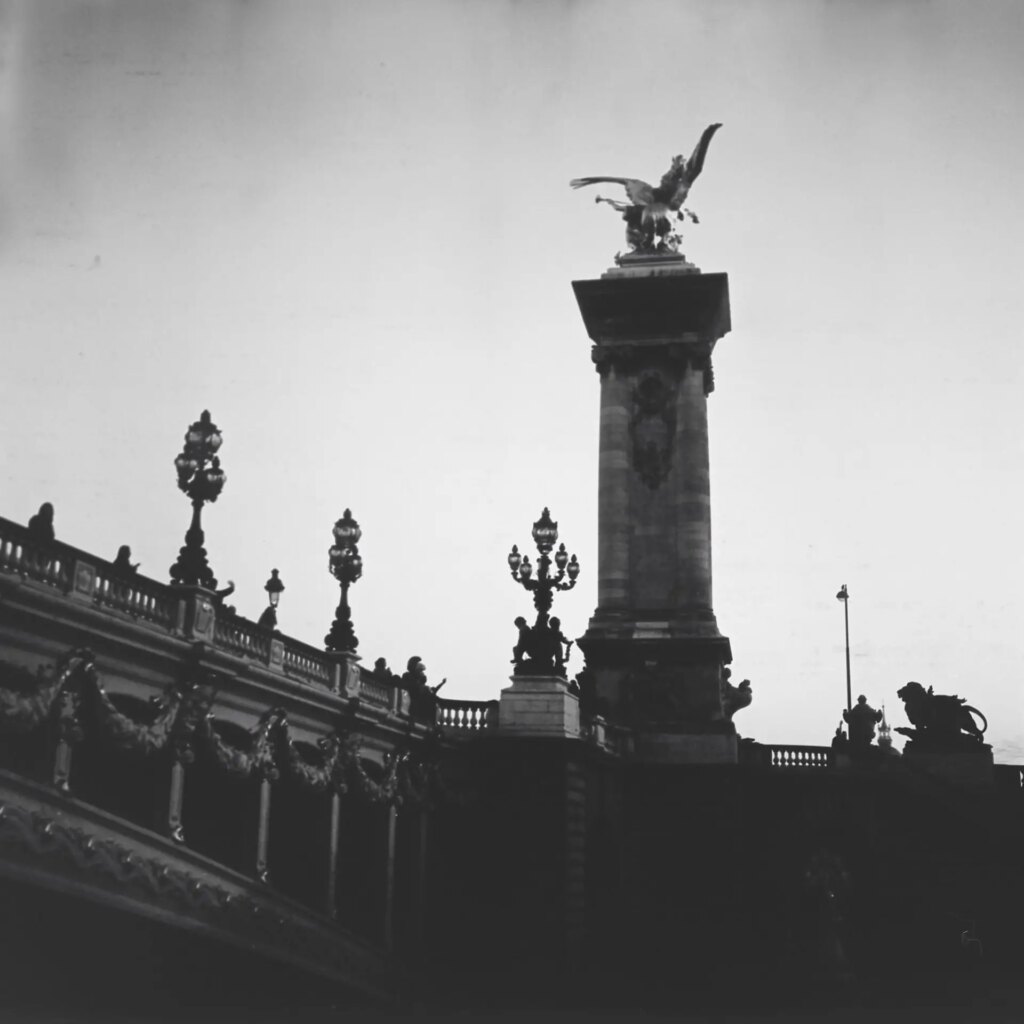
<point x="346" y="566"/>
<point x="540" y="647"/>
<point x="202" y="479"/>
<point x="273" y="587"/>
<point x="844" y="596"/>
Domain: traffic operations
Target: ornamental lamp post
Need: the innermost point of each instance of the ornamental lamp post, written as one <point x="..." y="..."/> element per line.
<point x="346" y="566"/>
<point x="201" y="478"/>
<point x="542" y="644"/>
<point x="844" y="596"/>
<point x="273" y="587"/>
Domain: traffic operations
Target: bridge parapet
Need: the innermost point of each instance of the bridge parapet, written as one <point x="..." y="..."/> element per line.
<point x="209" y="734"/>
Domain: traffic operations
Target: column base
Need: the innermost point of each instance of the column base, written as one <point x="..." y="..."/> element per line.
<point x="539" y="706"/>
<point x="659" y="681"/>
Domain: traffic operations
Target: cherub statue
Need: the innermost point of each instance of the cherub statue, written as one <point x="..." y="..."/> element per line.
<point x="522" y="647"/>
<point x="562" y="646"/>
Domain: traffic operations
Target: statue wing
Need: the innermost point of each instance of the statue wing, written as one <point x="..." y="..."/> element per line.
<point x="639" y="192"/>
<point x="693" y="167"/>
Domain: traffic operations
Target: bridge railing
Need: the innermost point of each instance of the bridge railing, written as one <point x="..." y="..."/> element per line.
<point x="84" y="577"/>
<point x="305" y="663"/>
<point x="376" y="691"/>
<point x="241" y="636"/>
<point x="135" y="595"/>
<point x="44" y="561"/>
<point x="795" y="756"/>
<point x="467" y="716"/>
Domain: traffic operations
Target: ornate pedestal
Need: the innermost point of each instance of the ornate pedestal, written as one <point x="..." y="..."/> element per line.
<point x="652" y="646"/>
<point x="538" y="706"/>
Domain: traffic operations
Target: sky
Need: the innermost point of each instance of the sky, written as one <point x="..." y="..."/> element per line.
<point x="346" y="230"/>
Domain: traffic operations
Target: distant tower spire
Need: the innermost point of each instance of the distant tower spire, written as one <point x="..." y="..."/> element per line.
<point x="884" y="733"/>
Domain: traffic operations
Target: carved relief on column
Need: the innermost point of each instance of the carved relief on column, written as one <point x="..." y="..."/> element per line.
<point x="652" y="427"/>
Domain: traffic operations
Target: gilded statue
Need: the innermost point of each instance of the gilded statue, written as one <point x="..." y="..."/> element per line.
<point x="651" y="208"/>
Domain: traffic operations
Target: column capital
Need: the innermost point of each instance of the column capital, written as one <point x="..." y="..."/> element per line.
<point x="673" y="357"/>
<point x="656" y="309"/>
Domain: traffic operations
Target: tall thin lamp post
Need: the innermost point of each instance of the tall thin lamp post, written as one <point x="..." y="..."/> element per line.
<point x="844" y="596"/>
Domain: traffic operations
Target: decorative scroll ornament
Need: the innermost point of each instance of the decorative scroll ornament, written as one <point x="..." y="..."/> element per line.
<point x="652" y="429"/>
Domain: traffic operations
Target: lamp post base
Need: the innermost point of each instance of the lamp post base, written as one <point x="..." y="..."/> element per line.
<point x="539" y="706"/>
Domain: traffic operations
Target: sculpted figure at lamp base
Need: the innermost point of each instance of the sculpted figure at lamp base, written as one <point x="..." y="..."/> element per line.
<point x="542" y="649"/>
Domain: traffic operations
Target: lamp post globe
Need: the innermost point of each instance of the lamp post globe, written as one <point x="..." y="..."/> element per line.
<point x="273" y="587"/>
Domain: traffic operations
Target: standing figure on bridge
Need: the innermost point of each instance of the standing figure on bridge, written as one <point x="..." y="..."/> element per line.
<point x="40" y="526"/>
<point x="862" y="720"/>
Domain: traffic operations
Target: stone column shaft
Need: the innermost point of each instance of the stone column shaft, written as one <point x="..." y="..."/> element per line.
<point x="332" y="856"/>
<point x="691" y="496"/>
<point x="613" y="494"/>
<point x="389" y="881"/>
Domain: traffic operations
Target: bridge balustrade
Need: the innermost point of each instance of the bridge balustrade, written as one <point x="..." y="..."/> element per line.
<point x="467" y="716"/>
<point x="196" y="723"/>
<point x="795" y="756"/>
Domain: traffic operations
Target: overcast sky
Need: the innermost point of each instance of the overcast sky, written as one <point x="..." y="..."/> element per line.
<point x="346" y="229"/>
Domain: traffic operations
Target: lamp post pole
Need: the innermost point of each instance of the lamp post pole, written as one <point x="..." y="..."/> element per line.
<point x="844" y="596"/>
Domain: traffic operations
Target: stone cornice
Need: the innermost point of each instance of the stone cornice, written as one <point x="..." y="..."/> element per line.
<point x="653" y="307"/>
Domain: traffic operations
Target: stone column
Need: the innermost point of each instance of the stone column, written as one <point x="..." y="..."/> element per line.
<point x="332" y="857"/>
<point x="613" y="493"/>
<point x="175" y="801"/>
<point x="263" y="832"/>
<point x="652" y="646"/>
<point x="389" y="880"/>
